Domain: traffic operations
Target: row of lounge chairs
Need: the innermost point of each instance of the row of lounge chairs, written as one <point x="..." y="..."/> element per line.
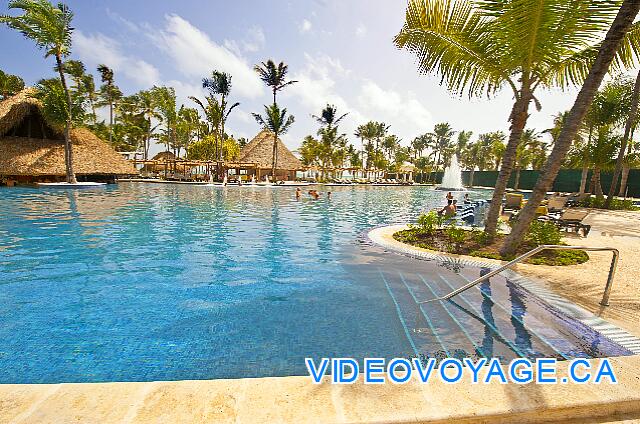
<point x="373" y="182"/>
<point x="556" y="209"/>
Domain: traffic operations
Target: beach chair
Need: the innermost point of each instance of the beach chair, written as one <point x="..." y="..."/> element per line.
<point x="577" y="198"/>
<point x="557" y="203"/>
<point x="513" y="202"/>
<point x="571" y="219"/>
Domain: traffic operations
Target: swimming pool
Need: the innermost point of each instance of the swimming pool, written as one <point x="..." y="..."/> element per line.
<point x="143" y="282"/>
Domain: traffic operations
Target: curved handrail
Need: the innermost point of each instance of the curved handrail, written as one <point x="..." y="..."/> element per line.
<point x="607" y="290"/>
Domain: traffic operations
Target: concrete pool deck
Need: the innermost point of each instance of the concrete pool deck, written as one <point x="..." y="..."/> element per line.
<point x="296" y="399"/>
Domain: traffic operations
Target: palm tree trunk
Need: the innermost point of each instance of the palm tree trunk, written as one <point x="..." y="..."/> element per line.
<point x="625" y="140"/>
<point x="518" y="118"/>
<point x="516" y="183"/>
<point x="473" y="170"/>
<point x="623" y="181"/>
<point x="275" y="155"/>
<point x="619" y="28"/>
<point x="597" y="182"/>
<point x="68" y="150"/>
<point x="583" y="178"/>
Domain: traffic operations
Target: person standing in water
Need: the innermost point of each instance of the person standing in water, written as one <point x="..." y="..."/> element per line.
<point x="298" y="193"/>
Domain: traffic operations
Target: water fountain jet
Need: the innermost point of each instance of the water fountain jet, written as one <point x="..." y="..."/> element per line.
<point x="452" y="179"/>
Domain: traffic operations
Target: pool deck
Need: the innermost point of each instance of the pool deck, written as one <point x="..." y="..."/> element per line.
<point x="296" y="399"/>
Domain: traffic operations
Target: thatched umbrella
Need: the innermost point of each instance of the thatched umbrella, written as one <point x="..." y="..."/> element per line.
<point x="260" y="151"/>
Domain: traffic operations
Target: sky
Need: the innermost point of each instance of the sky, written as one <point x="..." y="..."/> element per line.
<point x="340" y="51"/>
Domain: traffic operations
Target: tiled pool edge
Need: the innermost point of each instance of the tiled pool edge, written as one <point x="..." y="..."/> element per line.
<point x="383" y="236"/>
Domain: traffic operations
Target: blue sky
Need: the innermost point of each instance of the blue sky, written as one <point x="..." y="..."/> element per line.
<point x="341" y="52"/>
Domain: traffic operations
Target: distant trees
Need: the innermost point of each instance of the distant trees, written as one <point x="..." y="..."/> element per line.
<point x="10" y="85"/>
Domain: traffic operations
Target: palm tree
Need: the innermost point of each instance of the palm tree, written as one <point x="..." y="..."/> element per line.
<point x="464" y="138"/>
<point x="220" y="83"/>
<point x="366" y="132"/>
<point x="274" y="76"/>
<point x="527" y="152"/>
<point x="50" y="28"/>
<point x="631" y="119"/>
<point x="442" y="146"/>
<point x="10" y="85"/>
<point x="612" y="44"/>
<point x="481" y="47"/>
<point x="277" y="122"/>
<point x="329" y="116"/>
<point x="110" y="93"/>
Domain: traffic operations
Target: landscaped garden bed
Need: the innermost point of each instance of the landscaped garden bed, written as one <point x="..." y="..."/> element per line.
<point x="434" y="232"/>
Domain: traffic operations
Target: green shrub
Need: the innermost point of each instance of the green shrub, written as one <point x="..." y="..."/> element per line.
<point x="428" y="223"/>
<point x="455" y="236"/>
<point x="616" y="204"/>
<point x="543" y="233"/>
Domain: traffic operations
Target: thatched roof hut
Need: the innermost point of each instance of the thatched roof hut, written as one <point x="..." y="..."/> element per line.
<point x="165" y="156"/>
<point x="33" y="150"/>
<point x="260" y="151"/>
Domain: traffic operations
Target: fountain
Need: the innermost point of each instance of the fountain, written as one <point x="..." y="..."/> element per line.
<point x="452" y="179"/>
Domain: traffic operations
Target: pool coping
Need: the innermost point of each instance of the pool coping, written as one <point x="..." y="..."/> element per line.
<point x="383" y="236"/>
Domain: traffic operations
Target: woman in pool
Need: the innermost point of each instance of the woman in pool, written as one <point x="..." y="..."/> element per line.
<point x="449" y="196"/>
<point x="298" y="193"/>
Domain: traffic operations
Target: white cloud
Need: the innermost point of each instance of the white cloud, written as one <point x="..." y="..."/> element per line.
<point x="97" y="48"/>
<point x="406" y="114"/>
<point x="195" y="55"/>
<point x="316" y="84"/>
<point x="253" y="41"/>
<point x="361" y="30"/>
<point x="305" y="26"/>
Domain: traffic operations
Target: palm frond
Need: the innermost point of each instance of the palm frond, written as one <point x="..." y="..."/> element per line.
<point x="451" y="37"/>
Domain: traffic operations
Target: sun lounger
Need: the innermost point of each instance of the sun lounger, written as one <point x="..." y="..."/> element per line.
<point x="513" y="202"/>
<point x="571" y="219"/>
<point x="557" y="203"/>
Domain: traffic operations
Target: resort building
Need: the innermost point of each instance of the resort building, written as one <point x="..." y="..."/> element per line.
<point x="32" y="150"/>
<point x="259" y="151"/>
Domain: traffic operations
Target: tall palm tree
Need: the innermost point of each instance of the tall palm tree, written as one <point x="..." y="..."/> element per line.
<point x="613" y="43"/>
<point x="482" y="46"/>
<point x="10" y="85"/>
<point x="277" y="122"/>
<point x="442" y="147"/>
<point x="220" y="83"/>
<point x="274" y="76"/>
<point x="50" y="28"/>
<point x="109" y="93"/>
<point x="631" y="119"/>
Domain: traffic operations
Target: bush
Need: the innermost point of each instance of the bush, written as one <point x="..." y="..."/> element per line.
<point x="428" y="223"/>
<point x="543" y="233"/>
<point x="616" y="204"/>
<point x="456" y="236"/>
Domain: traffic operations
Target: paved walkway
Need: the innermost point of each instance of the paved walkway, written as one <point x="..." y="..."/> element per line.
<point x="584" y="283"/>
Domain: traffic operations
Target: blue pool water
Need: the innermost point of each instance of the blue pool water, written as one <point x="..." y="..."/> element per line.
<point x="142" y="282"/>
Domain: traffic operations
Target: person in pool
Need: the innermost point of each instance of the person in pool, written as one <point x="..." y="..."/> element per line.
<point x="314" y="194"/>
<point x="298" y="193"/>
<point x="449" y="196"/>
<point x="449" y="210"/>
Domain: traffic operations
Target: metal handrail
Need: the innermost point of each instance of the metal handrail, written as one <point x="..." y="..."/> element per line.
<point x="607" y="289"/>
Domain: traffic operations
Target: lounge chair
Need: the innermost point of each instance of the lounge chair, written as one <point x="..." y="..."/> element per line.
<point x="513" y="202"/>
<point x="570" y="219"/>
<point x="557" y="203"/>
